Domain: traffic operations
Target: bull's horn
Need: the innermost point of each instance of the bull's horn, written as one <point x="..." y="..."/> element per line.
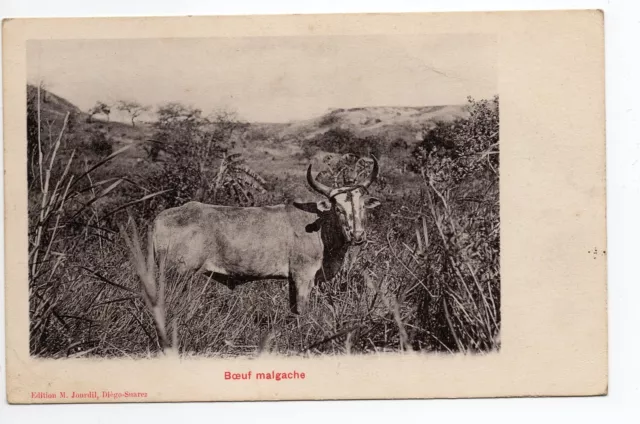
<point x="316" y="185"/>
<point x="374" y="173"/>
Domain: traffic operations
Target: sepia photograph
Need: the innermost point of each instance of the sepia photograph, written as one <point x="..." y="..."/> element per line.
<point x="318" y="195"/>
<point x="305" y="207"/>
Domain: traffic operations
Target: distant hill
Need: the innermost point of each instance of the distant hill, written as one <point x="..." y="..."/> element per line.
<point x="391" y="122"/>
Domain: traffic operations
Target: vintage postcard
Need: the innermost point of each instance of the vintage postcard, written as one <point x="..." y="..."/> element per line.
<point x="305" y="207"/>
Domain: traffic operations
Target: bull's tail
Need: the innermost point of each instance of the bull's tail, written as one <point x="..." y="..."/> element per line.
<point x="154" y="254"/>
<point x="153" y="245"/>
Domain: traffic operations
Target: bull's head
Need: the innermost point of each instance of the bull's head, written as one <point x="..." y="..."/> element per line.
<point x="348" y="203"/>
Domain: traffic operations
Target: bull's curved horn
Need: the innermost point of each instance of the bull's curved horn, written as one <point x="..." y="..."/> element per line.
<point x="316" y="185"/>
<point x="374" y="173"/>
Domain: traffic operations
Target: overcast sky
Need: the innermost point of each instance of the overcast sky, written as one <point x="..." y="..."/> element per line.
<point x="270" y="79"/>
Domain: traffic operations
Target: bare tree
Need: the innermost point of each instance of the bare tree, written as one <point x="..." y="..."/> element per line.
<point x="100" y="107"/>
<point x="133" y="108"/>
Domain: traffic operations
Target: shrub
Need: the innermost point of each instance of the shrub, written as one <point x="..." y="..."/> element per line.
<point x="101" y="144"/>
<point x="32" y="136"/>
<point x="196" y="165"/>
<point x="459" y="163"/>
<point x="73" y="122"/>
<point x="329" y="119"/>
<point x="309" y="150"/>
<point x="343" y="141"/>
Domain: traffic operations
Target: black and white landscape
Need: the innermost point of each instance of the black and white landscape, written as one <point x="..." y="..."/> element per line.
<point x="295" y="195"/>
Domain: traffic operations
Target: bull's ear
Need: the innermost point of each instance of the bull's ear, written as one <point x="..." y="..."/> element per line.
<point x="371" y="203"/>
<point x="324" y="205"/>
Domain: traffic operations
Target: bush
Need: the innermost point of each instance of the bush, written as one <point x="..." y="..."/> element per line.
<point x="101" y="144"/>
<point x="197" y="165"/>
<point x="330" y="119"/>
<point x="72" y="122"/>
<point x="32" y="137"/>
<point x="343" y="141"/>
<point x="459" y="163"/>
<point x="309" y="150"/>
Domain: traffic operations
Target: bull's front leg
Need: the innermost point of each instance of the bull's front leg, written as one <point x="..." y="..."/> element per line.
<point x="299" y="290"/>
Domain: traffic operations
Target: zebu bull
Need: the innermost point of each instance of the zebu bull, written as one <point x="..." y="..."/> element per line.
<point x="301" y="242"/>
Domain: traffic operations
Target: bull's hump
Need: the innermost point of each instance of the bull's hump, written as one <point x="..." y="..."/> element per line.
<point x="185" y="215"/>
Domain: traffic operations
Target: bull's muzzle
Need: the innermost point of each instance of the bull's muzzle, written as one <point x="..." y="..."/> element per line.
<point x="359" y="238"/>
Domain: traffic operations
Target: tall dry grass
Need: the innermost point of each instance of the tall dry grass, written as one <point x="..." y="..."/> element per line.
<point x="63" y="210"/>
<point x="152" y="288"/>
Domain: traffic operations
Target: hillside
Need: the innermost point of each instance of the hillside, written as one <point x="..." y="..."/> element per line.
<point x="52" y="104"/>
<point x="386" y="121"/>
<point x="284" y="147"/>
<point x="81" y="132"/>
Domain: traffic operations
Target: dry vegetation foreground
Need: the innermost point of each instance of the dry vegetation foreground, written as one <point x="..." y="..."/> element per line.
<point x="428" y="279"/>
